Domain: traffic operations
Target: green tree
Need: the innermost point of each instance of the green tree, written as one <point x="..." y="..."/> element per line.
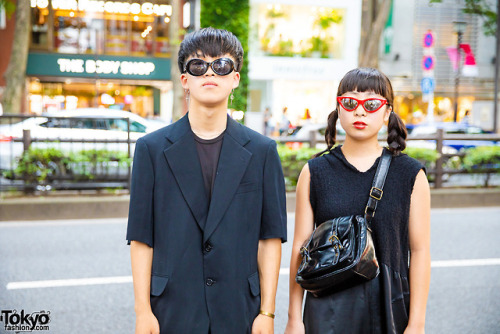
<point x="484" y="10"/>
<point x="16" y="69"/>
<point x="231" y="15"/>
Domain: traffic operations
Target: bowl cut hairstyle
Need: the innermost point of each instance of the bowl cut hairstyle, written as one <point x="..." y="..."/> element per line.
<point x="210" y="42"/>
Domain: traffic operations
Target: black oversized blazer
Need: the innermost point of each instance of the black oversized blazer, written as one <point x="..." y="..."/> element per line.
<point x="204" y="273"/>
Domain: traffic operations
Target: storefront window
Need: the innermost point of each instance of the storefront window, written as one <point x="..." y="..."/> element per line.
<point x="40" y="28"/>
<point x="58" y="96"/>
<point x="320" y="32"/>
<point x="138" y="28"/>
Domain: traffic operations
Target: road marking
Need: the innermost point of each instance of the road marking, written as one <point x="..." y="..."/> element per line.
<point x="68" y="282"/>
<point x="66" y="222"/>
<point x="465" y="263"/>
<point x="283" y="271"/>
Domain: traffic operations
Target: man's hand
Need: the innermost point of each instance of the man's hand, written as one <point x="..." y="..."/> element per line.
<point x="263" y="325"/>
<point x="146" y="323"/>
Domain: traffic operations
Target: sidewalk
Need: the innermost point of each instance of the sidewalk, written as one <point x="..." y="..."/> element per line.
<point x="92" y="207"/>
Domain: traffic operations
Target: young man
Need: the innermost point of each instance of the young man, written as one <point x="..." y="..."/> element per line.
<point x="207" y="208"/>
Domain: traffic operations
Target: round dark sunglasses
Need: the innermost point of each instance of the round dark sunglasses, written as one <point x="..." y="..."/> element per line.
<point x="220" y="66"/>
<point x="370" y="105"/>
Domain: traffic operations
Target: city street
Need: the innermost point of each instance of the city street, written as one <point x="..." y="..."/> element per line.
<point x="79" y="271"/>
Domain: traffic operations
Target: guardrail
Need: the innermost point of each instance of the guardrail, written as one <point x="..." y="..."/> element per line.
<point x="104" y="179"/>
<point x="439" y="171"/>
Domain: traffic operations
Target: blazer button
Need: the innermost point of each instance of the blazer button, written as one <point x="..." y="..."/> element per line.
<point x="208" y="247"/>
<point x="209" y="282"/>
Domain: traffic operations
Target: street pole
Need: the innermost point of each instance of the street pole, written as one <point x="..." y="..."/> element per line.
<point x="497" y="63"/>
<point x="457" y="76"/>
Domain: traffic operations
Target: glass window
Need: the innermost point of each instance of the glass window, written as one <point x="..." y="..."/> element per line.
<point x="162" y="39"/>
<point x="39" y="27"/>
<point x="117" y="28"/>
<point x="319" y="34"/>
<point x="137" y="127"/>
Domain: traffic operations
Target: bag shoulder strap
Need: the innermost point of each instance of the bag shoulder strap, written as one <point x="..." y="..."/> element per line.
<point x="376" y="192"/>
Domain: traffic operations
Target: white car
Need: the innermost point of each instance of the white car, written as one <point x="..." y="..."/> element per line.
<point x="80" y="124"/>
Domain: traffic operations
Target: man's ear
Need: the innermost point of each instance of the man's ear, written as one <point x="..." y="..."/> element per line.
<point x="184" y="81"/>
<point x="236" y="78"/>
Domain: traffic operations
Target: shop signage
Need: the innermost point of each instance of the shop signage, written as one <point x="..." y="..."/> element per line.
<point x="111" y="7"/>
<point x="103" y="66"/>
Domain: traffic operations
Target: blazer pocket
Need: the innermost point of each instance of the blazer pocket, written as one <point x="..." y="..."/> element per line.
<point x="158" y="284"/>
<point x="253" y="281"/>
<point x="247" y="187"/>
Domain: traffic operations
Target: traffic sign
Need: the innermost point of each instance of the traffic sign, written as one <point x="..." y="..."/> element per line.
<point x="428" y="63"/>
<point x="427" y="85"/>
<point x="428" y="39"/>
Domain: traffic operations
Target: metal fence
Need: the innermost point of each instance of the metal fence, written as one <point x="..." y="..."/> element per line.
<point x="87" y="154"/>
<point x="44" y="153"/>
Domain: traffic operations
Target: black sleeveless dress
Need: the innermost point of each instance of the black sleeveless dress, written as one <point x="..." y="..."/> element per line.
<point x="382" y="304"/>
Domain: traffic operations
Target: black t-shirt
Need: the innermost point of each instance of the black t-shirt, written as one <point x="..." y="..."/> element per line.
<point x="208" y="152"/>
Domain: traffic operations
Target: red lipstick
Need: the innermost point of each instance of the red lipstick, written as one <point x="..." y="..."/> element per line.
<point x="359" y="125"/>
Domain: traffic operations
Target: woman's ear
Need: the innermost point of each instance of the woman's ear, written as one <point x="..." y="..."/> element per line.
<point x="387" y="114"/>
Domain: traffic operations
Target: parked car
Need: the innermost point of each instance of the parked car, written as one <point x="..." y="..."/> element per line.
<point x="79" y="124"/>
<point x="453" y="128"/>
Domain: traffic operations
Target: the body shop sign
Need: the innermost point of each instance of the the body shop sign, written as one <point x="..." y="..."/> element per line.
<point x="105" y="67"/>
<point x="91" y="66"/>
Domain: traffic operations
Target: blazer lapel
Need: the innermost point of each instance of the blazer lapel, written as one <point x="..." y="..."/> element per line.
<point x="182" y="157"/>
<point x="233" y="161"/>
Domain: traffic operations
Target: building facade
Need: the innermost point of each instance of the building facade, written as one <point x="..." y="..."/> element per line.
<point x="299" y="51"/>
<point x="111" y="54"/>
<point x="402" y="53"/>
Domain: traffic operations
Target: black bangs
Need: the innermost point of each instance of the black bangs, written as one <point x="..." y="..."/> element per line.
<point x="366" y="80"/>
<point x="210" y="42"/>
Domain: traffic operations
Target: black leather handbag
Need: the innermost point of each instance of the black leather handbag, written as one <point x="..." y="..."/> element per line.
<point x="340" y="252"/>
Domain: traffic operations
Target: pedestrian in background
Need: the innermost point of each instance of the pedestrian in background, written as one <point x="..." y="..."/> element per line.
<point x="337" y="184"/>
<point x="207" y="208"/>
<point x="285" y="122"/>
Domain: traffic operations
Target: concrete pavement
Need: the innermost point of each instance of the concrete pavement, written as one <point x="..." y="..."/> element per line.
<point x="110" y="206"/>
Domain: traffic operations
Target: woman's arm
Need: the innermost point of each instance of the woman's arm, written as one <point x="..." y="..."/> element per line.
<point x="420" y="260"/>
<point x="304" y="225"/>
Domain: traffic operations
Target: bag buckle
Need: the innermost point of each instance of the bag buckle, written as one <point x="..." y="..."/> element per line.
<point x="376" y="193"/>
<point x="334" y="237"/>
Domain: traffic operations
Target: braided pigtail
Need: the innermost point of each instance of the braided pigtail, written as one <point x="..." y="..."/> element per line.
<point x="397" y="134"/>
<point x="330" y="132"/>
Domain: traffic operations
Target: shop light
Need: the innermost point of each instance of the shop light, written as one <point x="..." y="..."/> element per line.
<point x="136" y="18"/>
<point x="111" y="7"/>
<point x="186" y="13"/>
<point x="107" y="99"/>
<point x="40" y="3"/>
<point x="72" y="14"/>
<point x="167" y="19"/>
<point x="128" y="99"/>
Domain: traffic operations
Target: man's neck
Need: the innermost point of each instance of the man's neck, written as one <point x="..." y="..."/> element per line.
<point x="207" y="123"/>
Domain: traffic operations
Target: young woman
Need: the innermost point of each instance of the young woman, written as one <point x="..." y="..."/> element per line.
<point x="337" y="184"/>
